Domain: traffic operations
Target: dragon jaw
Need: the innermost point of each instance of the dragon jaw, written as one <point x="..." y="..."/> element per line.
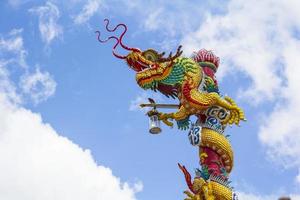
<point x="150" y="77"/>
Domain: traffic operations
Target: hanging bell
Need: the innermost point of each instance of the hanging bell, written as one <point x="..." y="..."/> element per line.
<point x="154" y="122"/>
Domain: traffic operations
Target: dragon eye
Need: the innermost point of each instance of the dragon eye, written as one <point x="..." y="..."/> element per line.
<point x="150" y="55"/>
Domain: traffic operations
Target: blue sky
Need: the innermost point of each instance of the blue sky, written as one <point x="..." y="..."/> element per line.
<point x="53" y="66"/>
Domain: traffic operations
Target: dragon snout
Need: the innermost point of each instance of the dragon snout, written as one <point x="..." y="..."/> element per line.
<point x="137" y="66"/>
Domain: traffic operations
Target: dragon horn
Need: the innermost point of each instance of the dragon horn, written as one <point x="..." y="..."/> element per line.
<point x="115" y="46"/>
<point x="170" y="57"/>
<point x="121" y="37"/>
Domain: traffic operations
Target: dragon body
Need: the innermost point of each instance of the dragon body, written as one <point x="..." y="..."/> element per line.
<point x="190" y="80"/>
<point x="184" y="78"/>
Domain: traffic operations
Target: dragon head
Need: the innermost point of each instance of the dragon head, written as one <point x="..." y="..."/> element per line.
<point x="149" y="65"/>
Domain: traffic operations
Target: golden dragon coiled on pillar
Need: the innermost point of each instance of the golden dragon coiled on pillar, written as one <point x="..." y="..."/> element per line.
<point x="211" y="186"/>
<point x="192" y="81"/>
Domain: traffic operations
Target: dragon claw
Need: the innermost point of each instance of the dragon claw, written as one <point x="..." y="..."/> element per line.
<point x="236" y="113"/>
<point x="164" y="118"/>
<point x="168" y="123"/>
<point x="191" y="196"/>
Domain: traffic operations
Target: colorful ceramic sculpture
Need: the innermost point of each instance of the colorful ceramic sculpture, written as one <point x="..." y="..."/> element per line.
<point x="192" y="81"/>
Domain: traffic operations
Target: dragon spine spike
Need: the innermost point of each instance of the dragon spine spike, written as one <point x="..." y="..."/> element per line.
<point x="220" y="180"/>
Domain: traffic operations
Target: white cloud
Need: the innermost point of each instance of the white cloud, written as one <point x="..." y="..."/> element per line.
<point x="154" y="20"/>
<point x="249" y="196"/>
<point x="13" y="44"/>
<point x="88" y="10"/>
<point x="38" y="85"/>
<point x="12" y="48"/>
<point x="12" y="56"/>
<point x="13" y="66"/>
<point x="281" y="130"/>
<point x="6" y="85"/>
<point x="171" y="18"/>
<point x="37" y="163"/>
<point x="261" y="41"/>
<point x="17" y="3"/>
<point x="48" y="17"/>
<point x="248" y="39"/>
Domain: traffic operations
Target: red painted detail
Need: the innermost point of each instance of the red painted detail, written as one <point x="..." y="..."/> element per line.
<point x="136" y="66"/>
<point x="202" y="118"/>
<point x="210" y="72"/>
<point x="188" y="177"/>
<point x="206" y="56"/>
<point x="213" y="161"/>
<point x="168" y="90"/>
<point x="186" y="91"/>
<point x="118" y="39"/>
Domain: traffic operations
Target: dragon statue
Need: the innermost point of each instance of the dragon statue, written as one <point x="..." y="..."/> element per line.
<point x="192" y="81"/>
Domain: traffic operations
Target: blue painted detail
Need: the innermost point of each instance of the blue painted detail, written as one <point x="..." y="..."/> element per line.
<point x="214" y="124"/>
<point x="203" y="173"/>
<point x="194" y="135"/>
